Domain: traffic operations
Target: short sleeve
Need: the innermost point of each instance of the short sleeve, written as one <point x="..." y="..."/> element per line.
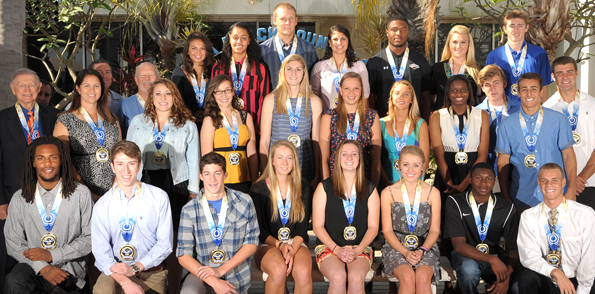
<point x="453" y="221"/>
<point x="503" y="140"/>
<point x="565" y="139"/>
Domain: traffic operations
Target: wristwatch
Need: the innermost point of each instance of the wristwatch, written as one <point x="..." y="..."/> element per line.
<point x="135" y="269"/>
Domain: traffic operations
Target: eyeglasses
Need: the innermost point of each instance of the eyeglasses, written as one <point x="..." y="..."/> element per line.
<point x="219" y="92"/>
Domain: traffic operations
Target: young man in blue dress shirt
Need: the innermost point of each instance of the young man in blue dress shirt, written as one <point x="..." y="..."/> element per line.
<point x="132" y="230"/>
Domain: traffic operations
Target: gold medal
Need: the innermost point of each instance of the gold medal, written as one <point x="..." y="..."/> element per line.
<point x="554" y="258"/>
<point x="49" y="241"/>
<point x="514" y="89"/>
<point x="577" y="138"/>
<point x="127" y="252"/>
<point x="335" y="102"/>
<point x="102" y="155"/>
<point x="350" y="233"/>
<point x="530" y="161"/>
<point x="283" y="234"/>
<point x="396" y="165"/>
<point x="234" y="158"/>
<point x="461" y="158"/>
<point x="295" y="140"/>
<point x="483" y="247"/>
<point x="159" y="158"/>
<point x="241" y="103"/>
<point x="411" y="242"/>
<point x="217" y="256"/>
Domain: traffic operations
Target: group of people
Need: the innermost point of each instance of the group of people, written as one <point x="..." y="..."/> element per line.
<point x="230" y="160"/>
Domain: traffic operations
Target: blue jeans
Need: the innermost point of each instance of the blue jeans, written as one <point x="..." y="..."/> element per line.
<point x="470" y="271"/>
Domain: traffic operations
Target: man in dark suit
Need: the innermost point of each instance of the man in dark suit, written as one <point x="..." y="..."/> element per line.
<point x="19" y="125"/>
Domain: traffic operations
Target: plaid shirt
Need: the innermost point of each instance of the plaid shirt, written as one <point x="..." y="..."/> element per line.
<point x="241" y="228"/>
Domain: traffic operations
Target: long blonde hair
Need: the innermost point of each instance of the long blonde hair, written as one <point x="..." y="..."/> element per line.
<point x="339" y="180"/>
<point x="297" y="211"/>
<point x="342" y="119"/>
<point x="282" y="91"/>
<point x="470" y="63"/>
<point x="413" y="113"/>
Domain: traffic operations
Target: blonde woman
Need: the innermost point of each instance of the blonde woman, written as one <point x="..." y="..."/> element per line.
<point x="292" y="112"/>
<point x="458" y="58"/>
<point x="282" y="201"/>
<point x="403" y="126"/>
<point x="351" y="120"/>
<point x="411" y="225"/>
<point x="345" y="218"/>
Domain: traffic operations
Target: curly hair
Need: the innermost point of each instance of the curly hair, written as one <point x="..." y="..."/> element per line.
<point x="29" y="177"/>
<point x="188" y="64"/>
<point x="349" y="53"/>
<point x="102" y="102"/>
<point x="212" y="108"/>
<point x="178" y="112"/>
<point x="252" y="52"/>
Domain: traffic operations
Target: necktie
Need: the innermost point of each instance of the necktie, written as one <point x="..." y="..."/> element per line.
<point x="553" y="219"/>
<point x="30" y="125"/>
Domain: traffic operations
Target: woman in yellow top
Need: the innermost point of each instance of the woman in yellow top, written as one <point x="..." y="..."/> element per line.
<point x="228" y="130"/>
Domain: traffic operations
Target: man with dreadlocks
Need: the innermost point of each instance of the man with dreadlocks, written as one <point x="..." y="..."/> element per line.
<point x="54" y="211"/>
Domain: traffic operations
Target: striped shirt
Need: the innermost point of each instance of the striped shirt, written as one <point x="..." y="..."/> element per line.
<point x="241" y="228"/>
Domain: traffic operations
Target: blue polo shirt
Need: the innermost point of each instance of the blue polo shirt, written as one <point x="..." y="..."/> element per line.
<point x="271" y="57"/>
<point x="536" y="61"/>
<point x="555" y="135"/>
<point x="513" y="107"/>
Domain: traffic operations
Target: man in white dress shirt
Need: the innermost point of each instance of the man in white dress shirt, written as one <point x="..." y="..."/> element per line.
<point x="555" y="240"/>
<point x="579" y="108"/>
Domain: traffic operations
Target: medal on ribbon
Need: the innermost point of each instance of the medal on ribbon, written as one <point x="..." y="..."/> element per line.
<point x="397" y="74"/>
<point x="238" y="81"/>
<point x="337" y="74"/>
<point x="234" y="136"/>
<point x="461" y="157"/>
<point x="31" y="135"/>
<point x="531" y="138"/>
<point x="482" y="227"/>
<point x="516" y="66"/>
<point x="216" y="230"/>
<point x="199" y="92"/>
<point x="294" y="120"/>
<point x="127" y="222"/>
<point x="553" y="235"/>
<point x="159" y="157"/>
<point x="49" y="241"/>
<point x="448" y="66"/>
<point x="400" y="142"/>
<point x="284" y="233"/>
<point x="411" y="240"/>
<point x="573" y="118"/>
<point x="279" y="46"/>
<point x="102" y="154"/>
<point x="350" y="232"/>
<point x="351" y="133"/>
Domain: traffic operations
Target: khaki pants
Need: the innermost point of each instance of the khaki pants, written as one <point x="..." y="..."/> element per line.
<point x="151" y="282"/>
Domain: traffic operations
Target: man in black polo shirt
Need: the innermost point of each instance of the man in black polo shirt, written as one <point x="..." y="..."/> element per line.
<point x="476" y="252"/>
<point x="396" y="62"/>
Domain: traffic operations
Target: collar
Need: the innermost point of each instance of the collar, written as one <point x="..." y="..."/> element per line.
<point x="53" y="191"/>
<point x="518" y="52"/>
<point x="25" y="110"/>
<point x="529" y="117"/>
<point x="480" y="204"/>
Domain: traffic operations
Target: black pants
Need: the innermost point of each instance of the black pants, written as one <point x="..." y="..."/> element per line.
<point x="587" y="197"/>
<point x="531" y="282"/>
<point x="22" y="279"/>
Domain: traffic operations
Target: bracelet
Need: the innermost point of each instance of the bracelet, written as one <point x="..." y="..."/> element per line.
<point x="335" y="247"/>
<point x="126" y="283"/>
<point x="424" y="249"/>
<point x="279" y="246"/>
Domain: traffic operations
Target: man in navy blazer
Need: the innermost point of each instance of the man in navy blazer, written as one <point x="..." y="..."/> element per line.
<point x="15" y="135"/>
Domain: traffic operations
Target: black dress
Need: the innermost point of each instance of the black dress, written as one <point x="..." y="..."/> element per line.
<point x="436" y="80"/>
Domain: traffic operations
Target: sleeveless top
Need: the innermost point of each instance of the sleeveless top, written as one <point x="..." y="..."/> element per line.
<point x="364" y="137"/>
<point x="336" y="220"/>
<point x="459" y="172"/>
<point x="98" y="176"/>
<point x="281" y="130"/>
<point x="389" y="150"/>
<point x="236" y="173"/>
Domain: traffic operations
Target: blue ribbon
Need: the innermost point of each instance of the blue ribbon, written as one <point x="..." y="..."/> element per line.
<point x="159" y="137"/>
<point x="279" y="46"/>
<point x="411" y="213"/>
<point x="531" y="139"/>
<point x="461" y="137"/>
<point x="572" y="119"/>
<point x="402" y="141"/>
<point x="199" y="92"/>
<point x="98" y="130"/>
<point x="397" y="75"/>
<point x="127" y="223"/>
<point x="216" y="230"/>
<point x="238" y="81"/>
<point x="349" y="206"/>
<point x="482" y="228"/>
<point x="36" y="130"/>
<point x="284" y="209"/>
<point x="553" y="238"/>
<point x="48" y="219"/>
<point x="294" y="116"/>
<point x="352" y="133"/>
<point x="234" y="135"/>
